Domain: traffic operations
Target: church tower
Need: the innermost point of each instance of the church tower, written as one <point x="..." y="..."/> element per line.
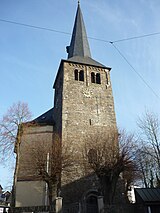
<point x="83" y="107"/>
<point x="83" y="103"/>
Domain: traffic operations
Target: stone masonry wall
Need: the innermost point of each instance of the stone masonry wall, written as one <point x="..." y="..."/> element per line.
<point x="30" y="189"/>
<point x="32" y="137"/>
<point x="87" y="110"/>
<point x="58" y="86"/>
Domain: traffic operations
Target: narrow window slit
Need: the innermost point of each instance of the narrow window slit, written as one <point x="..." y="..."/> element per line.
<point x="81" y="75"/>
<point x="93" y="77"/>
<point x="76" y="75"/>
<point x="98" y="78"/>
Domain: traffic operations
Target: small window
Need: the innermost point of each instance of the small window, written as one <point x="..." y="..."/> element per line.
<point x="81" y="75"/>
<point x="92" y="156"/>
<point x="93" y="77"/>
<point x="98" y="78"/>
<point x="76" y="75"/>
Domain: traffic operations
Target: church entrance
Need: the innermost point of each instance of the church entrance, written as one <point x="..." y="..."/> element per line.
<point x="92" y="204"/>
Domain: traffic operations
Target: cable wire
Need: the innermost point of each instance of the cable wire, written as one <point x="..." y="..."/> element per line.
<point x="48" y="29"/>
<point x="139" y="75"/>
<point x="66" y="33"/>
<point x="36" y="27"/>
<point x="136" y="37"/>
<point x="97" y="39"/>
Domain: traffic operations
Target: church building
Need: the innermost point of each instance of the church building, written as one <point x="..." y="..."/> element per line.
<point x="83" y="107"/>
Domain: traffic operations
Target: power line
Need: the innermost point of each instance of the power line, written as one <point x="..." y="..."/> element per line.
<point x="35" y="27"/>
<point x="66" y="33"/>
<point x="136" y="37"/>
<point x="139" y="75"/>
<point x="47" y="29"/>
<point x="97" y="39"/>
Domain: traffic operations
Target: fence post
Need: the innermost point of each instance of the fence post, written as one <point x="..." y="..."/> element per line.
<point x="100" y="204"/>
<point x="58" y="205"/>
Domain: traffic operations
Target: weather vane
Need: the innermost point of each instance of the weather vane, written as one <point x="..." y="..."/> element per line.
<point x="78" y="2"/>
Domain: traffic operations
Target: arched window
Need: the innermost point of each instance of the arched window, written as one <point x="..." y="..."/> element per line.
<point x="76" y="75"/>
<point x="93" y="77"/>
<point x="98" y="78"/>
<point x="81" y="75"/>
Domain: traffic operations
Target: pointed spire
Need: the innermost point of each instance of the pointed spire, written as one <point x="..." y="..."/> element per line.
<point x="79" y="45"/>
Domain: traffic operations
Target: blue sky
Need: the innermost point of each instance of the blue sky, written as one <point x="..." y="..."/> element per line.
<point x="29" y="57"/>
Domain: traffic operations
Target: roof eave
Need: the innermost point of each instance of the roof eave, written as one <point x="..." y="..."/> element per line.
<point x="88" y="64"/>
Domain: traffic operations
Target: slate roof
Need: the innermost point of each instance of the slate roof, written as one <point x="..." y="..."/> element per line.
<point x="86" y="60"/>
<point x="79" y="45"/>
<point x="79" y="50"/>
<point x="148" y="195"/>
<point x="45" y="118"/>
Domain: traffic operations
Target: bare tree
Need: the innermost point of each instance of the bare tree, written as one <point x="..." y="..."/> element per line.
<point x="108" y="156"/>
<point x="149" y="149"/>
<point x="146" y="166"/>
<point x="10" y="134"/>
<point x="47" y="160"/>
<point x="17" y="114"/>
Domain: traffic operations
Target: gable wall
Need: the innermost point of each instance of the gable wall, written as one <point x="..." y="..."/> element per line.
<point x="30" y="189"/>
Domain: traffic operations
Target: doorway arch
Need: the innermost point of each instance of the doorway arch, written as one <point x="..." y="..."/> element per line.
<point x="91" y="201"/>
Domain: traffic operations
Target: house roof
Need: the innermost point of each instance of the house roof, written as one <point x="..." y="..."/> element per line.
<point x="148" y="195"/>
<point x="45" y="118"/>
